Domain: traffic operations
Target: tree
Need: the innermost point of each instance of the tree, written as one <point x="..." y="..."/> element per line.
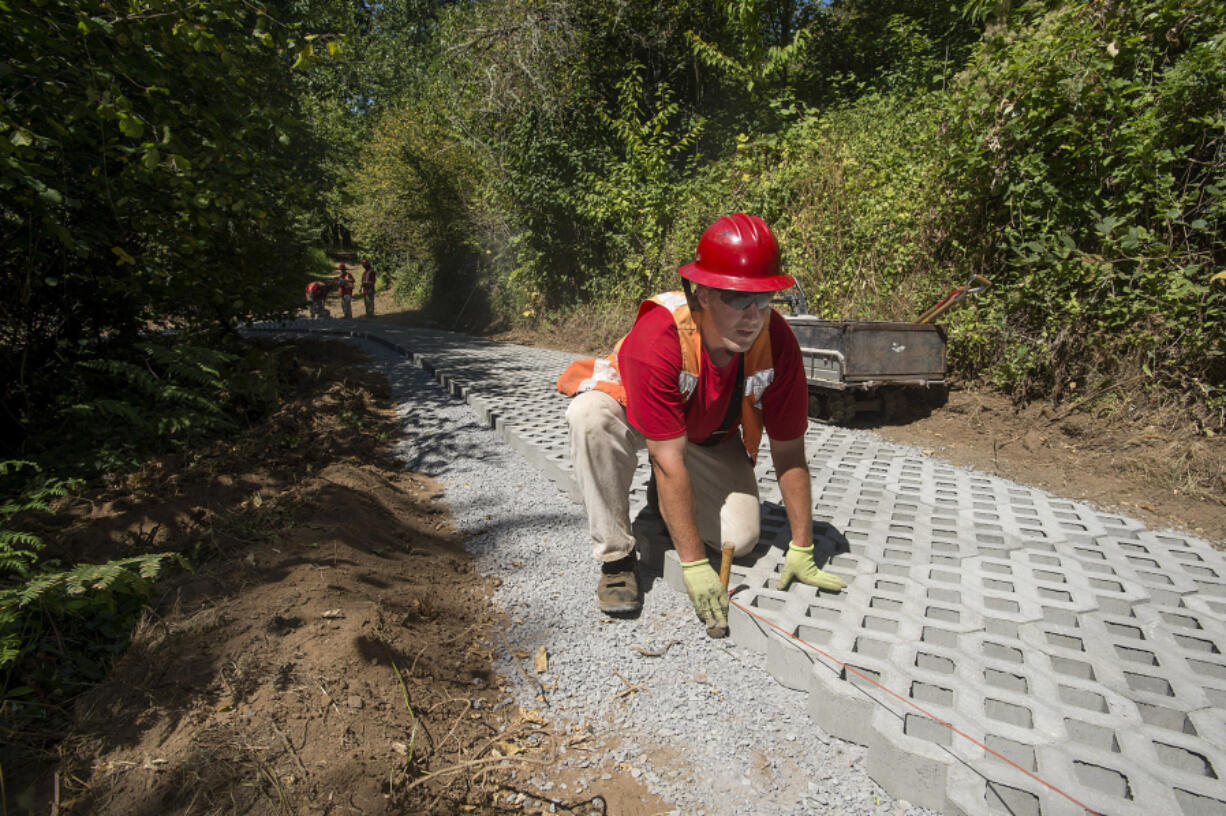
<point x="153" y="166"/>
<point x="1089" y="163"/>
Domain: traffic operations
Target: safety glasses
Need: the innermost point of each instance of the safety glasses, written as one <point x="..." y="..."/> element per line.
<point x="743" y="300"/>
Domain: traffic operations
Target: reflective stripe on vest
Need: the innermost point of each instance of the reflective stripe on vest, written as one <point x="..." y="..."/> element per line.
<point x="604" y="374"/>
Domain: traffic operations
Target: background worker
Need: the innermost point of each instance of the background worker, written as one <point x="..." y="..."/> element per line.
<point x="344" y="283"/>
<point x="697" y="381"/>
<point x="317" y="293"/>
<point x="368" y="287"/>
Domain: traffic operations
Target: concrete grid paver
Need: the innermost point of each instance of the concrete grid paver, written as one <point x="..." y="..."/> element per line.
<point x="1084" y="650"/>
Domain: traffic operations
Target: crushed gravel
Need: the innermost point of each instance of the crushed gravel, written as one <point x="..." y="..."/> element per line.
<point x="710" y="731"/>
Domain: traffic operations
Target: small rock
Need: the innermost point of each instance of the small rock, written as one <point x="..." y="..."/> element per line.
<point x="354" y="701"/>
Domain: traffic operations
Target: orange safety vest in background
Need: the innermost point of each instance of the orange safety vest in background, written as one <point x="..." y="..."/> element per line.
<point x="604" y="374"/>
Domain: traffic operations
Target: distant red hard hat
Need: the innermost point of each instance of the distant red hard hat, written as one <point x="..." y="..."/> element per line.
<point x="738" y="252"/>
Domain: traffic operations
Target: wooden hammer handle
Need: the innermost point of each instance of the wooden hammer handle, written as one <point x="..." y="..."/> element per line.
<point x="725" y="565"/>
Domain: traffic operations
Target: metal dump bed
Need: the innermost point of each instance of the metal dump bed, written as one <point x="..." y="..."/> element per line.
<point x="843" y="355"/>
<point x="855" y="366"/>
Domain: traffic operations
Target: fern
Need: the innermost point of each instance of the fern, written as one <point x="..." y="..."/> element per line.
<point x="13" y="559"/>
<point x="173" y="391"/>
<point x="108" y="409"/>
<point x="83" y="591"/>
<point x="10" y="638"/>
<point x="8" y="466"/>
<point x="141" y="379"/>
<point x="19" y="549"/>
<point x="133" y="574"/>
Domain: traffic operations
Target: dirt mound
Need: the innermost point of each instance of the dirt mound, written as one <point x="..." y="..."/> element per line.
<point x="340" y="658"/>
<point x="331" y="655"/>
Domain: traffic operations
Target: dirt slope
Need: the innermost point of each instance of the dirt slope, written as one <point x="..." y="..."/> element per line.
<point x="331" y="655"/>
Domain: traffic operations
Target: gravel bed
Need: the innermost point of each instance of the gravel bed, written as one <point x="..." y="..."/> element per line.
<point x="711" y="732"/>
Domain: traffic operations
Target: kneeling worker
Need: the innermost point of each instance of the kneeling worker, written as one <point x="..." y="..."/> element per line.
<point x="699" y="378"/>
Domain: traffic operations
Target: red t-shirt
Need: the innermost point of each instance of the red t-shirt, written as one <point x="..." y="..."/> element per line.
<point x="345" y="282"/>
<point x="316" y="290"/>
<point x="650" y="360"/>
<point x="368" y="280"/>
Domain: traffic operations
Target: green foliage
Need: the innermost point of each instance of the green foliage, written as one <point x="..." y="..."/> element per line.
<point x="158" y="395"/>
<point x="120" y="405"/>
<point x="887" y="46"/>
<point x="542" y="155"/>
<point x="410" y="212"/>
<point x="431" y="198"/>
<point x="63" y="622"/>
<point x="19" y="549"/>
<point x="39" y="599"/>
<point x="852" y="194"/>
<point x="1086" y="156"/>
<point x="154" y="169"/>
<point x="55" y="590"/>
<point x="630" y="196"/>
<point x="761" y="54"/>
<point x="60" y="629"/>
<point x="372" y="50"/>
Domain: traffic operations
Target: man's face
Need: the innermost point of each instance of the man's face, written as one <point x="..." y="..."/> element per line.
<point x="731" y="320"/>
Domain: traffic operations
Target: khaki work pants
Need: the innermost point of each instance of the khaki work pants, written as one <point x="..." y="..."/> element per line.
<point x="603" y="449"/>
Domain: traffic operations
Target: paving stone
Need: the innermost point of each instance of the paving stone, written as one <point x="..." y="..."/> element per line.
<point x="997" y="649"/>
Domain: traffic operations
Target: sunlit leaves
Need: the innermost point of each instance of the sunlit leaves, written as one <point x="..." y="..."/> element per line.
<point x="1089" y="147"/>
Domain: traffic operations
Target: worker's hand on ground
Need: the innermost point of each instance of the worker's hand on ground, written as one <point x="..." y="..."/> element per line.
<point x="706" y="592"/>
<point x="799" y="566"/>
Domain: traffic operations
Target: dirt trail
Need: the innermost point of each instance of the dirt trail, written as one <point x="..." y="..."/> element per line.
<point x="1153" y="466"/>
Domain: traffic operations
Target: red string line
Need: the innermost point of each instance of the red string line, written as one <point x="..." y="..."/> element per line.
<point x="910" y="703"/>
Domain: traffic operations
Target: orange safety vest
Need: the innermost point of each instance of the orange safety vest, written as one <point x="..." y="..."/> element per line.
<point x="605" y="375"/>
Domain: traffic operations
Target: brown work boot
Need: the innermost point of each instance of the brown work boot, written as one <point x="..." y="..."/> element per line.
<point x="618" y="590"/>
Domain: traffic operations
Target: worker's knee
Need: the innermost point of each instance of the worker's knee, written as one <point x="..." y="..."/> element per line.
<point x="740" y="522"/>
<point x="594" y="414"/>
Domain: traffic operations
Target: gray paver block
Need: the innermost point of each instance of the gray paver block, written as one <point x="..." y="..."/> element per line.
<point x="1083" y="651"/>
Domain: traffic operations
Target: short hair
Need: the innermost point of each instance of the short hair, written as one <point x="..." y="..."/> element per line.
<point x="689" y="295"/>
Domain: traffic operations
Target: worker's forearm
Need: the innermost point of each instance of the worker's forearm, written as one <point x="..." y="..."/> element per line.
<point x="793" y="468"/>
<point x="676" y="496"/>
<point x="798" y="503"/>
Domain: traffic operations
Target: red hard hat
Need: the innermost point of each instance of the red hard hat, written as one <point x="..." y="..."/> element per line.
<point x="738" y="252"/>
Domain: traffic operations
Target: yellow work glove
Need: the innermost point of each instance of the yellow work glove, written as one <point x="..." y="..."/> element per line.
<point x="799" y="566"/>
<point x="706" y="593"/>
